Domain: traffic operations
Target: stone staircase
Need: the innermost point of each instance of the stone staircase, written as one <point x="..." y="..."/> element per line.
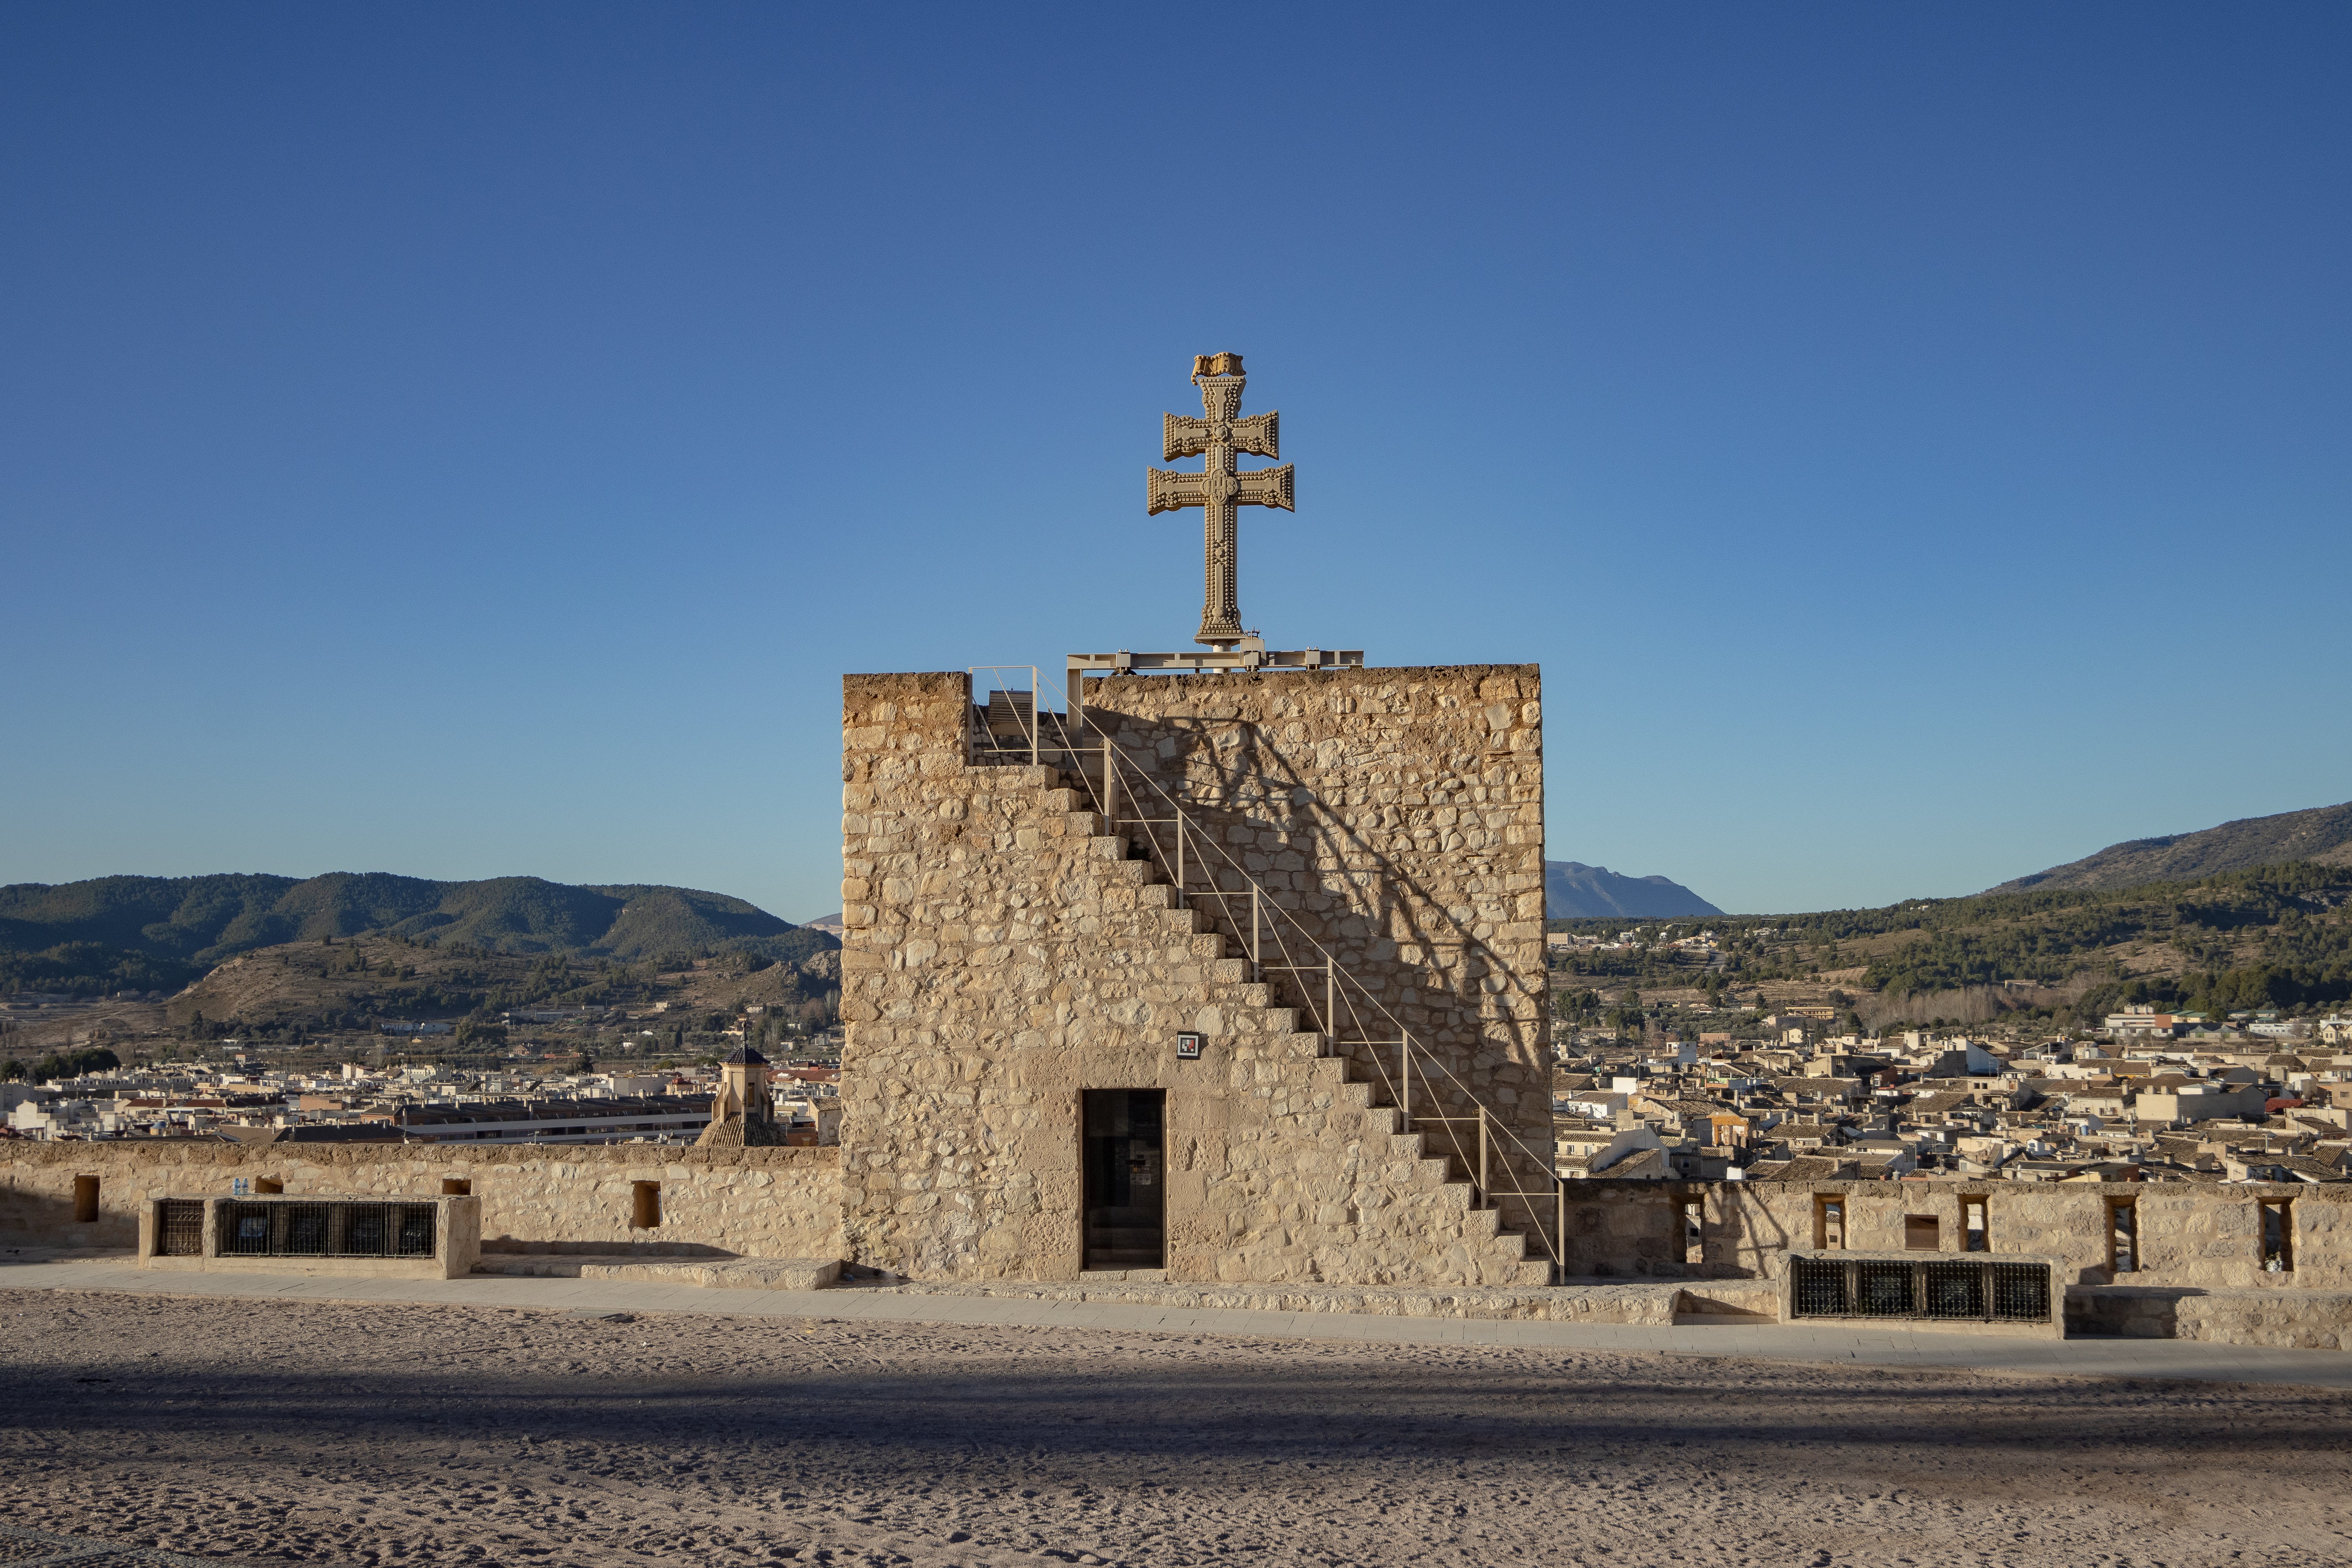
<point x="1395" y="1170"/>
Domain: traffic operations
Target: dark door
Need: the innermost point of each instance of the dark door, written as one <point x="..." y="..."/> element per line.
<point x="1126" y="1206"/>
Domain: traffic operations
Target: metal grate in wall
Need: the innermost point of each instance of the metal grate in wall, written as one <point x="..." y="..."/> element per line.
<point x="183" y="1229"/>
<point x="326" y="1230"/>
<point x="1945" y="1291"/>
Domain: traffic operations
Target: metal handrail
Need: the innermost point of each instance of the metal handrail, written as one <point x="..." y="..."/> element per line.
<point x="1337" y="994"/>
<point x="975" y="729"/>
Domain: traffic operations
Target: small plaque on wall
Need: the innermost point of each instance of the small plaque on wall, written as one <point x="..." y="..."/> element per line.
<point x="1188" y="1047"/>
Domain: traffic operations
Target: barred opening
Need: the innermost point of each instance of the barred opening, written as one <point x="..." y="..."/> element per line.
<point x="2020" y="1292"/>
<point x="1884" y="1290"/>
<point x="1820" y="1288"/>
<point x="1946" y="1290"/>
<point x="326" y="1230"/>
<point x="1955" y="1290"/>
<point x="180" y="1227"/>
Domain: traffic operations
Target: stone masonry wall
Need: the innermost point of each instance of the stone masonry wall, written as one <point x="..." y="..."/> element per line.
<point x="1397" y="817"/>
<point x="2191" y="1234"/>
<point x="756" y="1203"/>
<point x="1004" y="953"/>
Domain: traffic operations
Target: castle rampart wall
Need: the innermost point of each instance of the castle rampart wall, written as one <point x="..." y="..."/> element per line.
<point x="2200" y="1235"/>
<point x="756" y="1203"/>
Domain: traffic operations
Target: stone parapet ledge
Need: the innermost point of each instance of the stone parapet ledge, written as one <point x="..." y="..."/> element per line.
<point x="2276" y="1318"/>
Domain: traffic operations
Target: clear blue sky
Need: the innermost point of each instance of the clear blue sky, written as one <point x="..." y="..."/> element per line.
<point x="1916" y="441"/>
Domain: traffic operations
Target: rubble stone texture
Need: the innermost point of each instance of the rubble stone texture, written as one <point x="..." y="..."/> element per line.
<point x="759" y="1203"/>
<point x="1004" y="953"/>
<point x="2191" y="1234"/>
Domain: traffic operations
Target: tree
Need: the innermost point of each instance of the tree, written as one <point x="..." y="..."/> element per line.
<point x="73" y="1064"/>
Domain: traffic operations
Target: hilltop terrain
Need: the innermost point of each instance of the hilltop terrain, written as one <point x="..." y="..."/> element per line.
<point x="334" y="989"/>
<point x="2323" y="835"/>
<point x="1574" y="891"/>
<point x="158" y="933"/>
<point x="2275" y="936"/>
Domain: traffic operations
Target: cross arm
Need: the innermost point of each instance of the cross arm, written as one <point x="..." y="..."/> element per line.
<point x="1182" y="437"/>
<point x="1266" y="487"/>
<point x="1168" y="491"/>
<point x="1260" y="434"/>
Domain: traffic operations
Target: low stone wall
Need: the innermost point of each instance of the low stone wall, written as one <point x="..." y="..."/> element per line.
<point x="753" y="1203"/>
<point x="456" y="1240"/>
<point x="2206" y="1236"/>
<point x="2282" y="1319"/>
<point x="2201" y="1277"/>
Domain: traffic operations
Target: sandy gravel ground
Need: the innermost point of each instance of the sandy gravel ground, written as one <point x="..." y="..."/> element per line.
<point x="417" y="1435"/>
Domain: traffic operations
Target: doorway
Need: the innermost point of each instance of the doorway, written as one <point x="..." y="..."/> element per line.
<point x="1126" y="1193"/>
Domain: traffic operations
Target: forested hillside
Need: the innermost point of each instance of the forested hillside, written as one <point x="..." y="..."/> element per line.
<point x="2275" y="936"/>
<point x="143" y="933"/>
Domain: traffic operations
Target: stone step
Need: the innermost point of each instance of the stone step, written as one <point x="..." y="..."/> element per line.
<point x="725" y="1273"/>
<point x="1515" y="1246"/>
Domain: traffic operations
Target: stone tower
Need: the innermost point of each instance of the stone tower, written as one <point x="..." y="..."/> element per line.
<point x="743" y="1112"/>
<point x="1066" y="1029"/>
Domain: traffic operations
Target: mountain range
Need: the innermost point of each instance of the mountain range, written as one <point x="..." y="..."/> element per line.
<point x="2323" y="834"/>
<point x="143" y="932"/>
<point x="1573" y="890"/>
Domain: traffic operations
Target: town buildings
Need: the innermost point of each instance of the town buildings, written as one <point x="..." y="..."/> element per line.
<point x="2153" y="1098"/>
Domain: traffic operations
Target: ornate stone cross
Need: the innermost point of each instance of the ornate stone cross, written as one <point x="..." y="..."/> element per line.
<point x="1217" y="489"/>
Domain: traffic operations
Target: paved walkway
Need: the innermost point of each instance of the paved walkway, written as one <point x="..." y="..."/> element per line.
<point x="1853" y="1344"/>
